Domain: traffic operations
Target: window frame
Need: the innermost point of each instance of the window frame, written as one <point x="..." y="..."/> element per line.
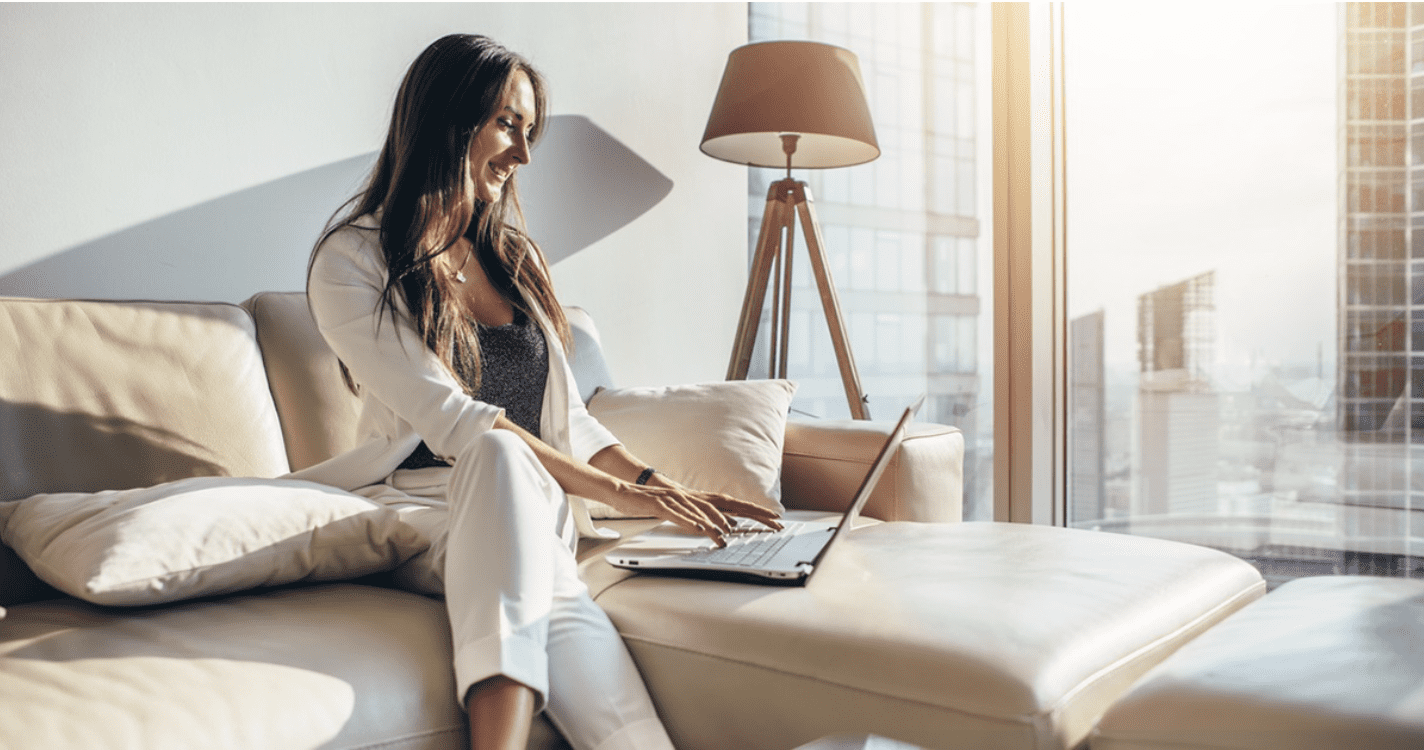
<point x="1030" y="237"/>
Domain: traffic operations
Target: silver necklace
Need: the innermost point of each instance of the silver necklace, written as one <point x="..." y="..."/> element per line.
<point x="460" y="272"/>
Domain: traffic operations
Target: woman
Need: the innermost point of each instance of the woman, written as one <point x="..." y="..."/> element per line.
<point x="444" y="318"/>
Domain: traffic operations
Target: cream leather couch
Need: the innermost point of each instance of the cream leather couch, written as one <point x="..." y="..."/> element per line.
<point x="107" y="395"/>
<point x="1323" y="663"/>
<point x="919" y="628"/>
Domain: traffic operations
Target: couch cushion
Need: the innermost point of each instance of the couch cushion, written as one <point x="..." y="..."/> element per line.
<point x="318" y="412"/>
<point x="716" y="437"/>
<point x="112" y="395"/>
<point x="1320" y="663"/>
<point x="586" y="360"/>
<point x="335" y="666"/>
<point x="969" y="636"/>
<point x="203" y="536"/>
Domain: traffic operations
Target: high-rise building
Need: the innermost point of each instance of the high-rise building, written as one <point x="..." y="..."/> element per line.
<point x="1178" y="413"/>
<point x="1381" y="266"/>
<point x="1087" y="414"/>
<point x="901" y="233"/>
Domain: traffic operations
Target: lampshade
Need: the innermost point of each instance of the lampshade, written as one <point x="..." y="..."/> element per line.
<point x="810" y="89"/>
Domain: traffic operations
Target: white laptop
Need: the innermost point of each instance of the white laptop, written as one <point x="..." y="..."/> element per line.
<point x="753" y="552"/>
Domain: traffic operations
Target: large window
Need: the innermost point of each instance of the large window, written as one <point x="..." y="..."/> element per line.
<point x="907" y="234"/>
<point x="1245" y="285"/>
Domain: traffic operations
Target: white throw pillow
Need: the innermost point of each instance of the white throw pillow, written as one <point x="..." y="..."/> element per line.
<point x="718" y="437"/>
<point x="202" y="536"/>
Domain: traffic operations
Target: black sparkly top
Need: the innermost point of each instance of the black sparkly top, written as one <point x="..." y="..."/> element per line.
<point x="514" y="359"/>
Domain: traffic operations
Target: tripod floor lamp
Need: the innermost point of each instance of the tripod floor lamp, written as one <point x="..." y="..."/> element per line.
<point x="794" y="105"/>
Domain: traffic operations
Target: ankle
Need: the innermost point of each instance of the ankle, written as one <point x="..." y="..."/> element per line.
<point x="500" y="712"/>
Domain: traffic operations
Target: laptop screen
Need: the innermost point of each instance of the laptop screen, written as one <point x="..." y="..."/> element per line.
<point x="867" y="485"/>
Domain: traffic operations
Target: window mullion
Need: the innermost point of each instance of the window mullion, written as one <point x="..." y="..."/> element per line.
<point x="1029" y="239"/>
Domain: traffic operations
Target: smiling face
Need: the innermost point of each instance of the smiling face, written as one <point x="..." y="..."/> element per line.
<point x="502" y="143"/>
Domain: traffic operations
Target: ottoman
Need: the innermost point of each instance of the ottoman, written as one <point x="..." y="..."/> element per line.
<point x="972" y="635"/>
<point x="1328" y="662"/>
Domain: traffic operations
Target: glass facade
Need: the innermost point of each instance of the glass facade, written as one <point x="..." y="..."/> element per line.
<point x="1246" y="351"/>
<point x="1381" y="267"/>
<point x="904" y="235"/>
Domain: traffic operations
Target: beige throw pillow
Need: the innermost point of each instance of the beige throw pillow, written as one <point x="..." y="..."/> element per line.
<point x="719" y="437"/>
<point x="202" y="536"/>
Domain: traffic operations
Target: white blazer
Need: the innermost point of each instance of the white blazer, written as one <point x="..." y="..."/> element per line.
<point x="406" y="393"/>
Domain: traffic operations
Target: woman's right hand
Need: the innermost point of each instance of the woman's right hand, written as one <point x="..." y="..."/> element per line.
<point x="707" y="513"/>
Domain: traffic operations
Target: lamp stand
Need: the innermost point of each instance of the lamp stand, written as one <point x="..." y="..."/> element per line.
<point x="771" y="266"/>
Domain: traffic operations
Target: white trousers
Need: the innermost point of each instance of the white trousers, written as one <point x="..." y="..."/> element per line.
<point x="501" y="540"/>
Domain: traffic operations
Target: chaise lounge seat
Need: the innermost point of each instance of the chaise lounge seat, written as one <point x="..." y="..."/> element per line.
<point x="971" y="636"/>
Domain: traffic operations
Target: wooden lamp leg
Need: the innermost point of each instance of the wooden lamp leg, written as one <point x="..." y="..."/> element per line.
<point x="830" y="304"/>
<point x="788" y="248"/>
<point x="768" y="247"/>
<point x="785" y="201"/>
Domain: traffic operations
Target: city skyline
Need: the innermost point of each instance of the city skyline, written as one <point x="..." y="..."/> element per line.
<point x="1188" y="157"/>
<point x="1300" y="462"/>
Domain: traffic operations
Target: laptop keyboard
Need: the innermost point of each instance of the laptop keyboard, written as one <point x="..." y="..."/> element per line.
<point x="748" y="547"/>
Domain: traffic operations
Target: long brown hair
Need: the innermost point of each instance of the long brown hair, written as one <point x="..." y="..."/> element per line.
<point x="422" y="187"/>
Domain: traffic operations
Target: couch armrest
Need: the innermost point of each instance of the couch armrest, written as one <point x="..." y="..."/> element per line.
<point x="824" y="461"/>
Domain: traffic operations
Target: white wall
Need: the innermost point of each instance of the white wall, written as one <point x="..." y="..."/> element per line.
<point x="180" y="151"/>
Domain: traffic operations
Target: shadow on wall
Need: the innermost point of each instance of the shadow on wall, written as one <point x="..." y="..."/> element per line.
<point x="582" y="186"/>
<point x="222" y="250"/>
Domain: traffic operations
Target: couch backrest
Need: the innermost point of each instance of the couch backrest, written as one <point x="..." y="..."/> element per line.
<point x="589" y="366"/>
<point x="318" y="412"/>
<point x="101" y="395"/>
